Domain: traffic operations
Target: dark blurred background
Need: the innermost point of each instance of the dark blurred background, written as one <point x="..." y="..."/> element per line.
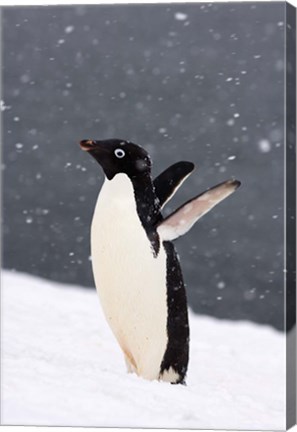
<point x="198" y="82"/>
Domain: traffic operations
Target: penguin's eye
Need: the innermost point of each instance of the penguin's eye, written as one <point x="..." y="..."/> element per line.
<point x="119" y="153"/>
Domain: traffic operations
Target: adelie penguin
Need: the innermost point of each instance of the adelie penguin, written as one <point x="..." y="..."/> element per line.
<point x="136" y="269"/>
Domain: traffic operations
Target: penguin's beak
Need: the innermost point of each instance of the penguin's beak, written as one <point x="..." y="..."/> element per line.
<point x="99" y="147"/>
<point x="87" y="145"/>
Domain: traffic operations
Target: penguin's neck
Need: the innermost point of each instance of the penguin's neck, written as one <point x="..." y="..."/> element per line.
<point x="148" y="206"/>
<point x="141" y="190"/>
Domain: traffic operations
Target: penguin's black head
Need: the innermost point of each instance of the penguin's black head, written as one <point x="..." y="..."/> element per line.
<point x="119" y="156"/>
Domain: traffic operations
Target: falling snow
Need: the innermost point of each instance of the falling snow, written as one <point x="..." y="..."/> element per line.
<point x="221" y="284"/>
<point x="69" y="29"/>
<point x="231" y="122"/>
<point x="264" y="146"/>
<point x="206" y="90"/>
<point x="179" y="16"/>
<point x="3" y="106"/>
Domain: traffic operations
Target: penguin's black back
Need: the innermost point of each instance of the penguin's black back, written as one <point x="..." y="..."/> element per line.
<point x="177" y="351"/>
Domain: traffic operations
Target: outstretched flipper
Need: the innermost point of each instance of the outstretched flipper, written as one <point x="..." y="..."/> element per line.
<point x="167" y="183"/>
<point x="180" y="221"/>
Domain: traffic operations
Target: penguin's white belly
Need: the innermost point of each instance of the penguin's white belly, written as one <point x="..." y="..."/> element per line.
<point x="131" y="283"/>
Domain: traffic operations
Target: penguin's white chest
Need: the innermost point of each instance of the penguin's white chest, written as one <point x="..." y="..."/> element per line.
<point x="130" y="281"/>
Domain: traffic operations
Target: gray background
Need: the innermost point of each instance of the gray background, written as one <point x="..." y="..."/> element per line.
<point x="193" y="82"/>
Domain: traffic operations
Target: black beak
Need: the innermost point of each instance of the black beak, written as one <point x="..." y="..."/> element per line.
<point x="101" y="147"/>
<point x="87" y="145"/>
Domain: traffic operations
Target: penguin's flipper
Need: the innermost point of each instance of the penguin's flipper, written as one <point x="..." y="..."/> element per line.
<point x="180" y="221"/>
<point x="167" y="183"/>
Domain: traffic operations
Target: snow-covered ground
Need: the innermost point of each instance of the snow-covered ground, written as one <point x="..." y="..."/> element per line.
<point x="62" y="366"/>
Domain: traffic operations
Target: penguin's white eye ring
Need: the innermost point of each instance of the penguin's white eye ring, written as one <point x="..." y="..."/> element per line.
<point x="119" y="153"/>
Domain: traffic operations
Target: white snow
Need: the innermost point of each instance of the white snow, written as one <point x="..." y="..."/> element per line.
<point x="3" y="106"/>
<point x="62" y="366"/>
<point x="231" y="122"/>
<point x="69" y="29"/>
<point x="180" y="16"/>
<point x="25" y="78"/>
<point x="264" y="145"/>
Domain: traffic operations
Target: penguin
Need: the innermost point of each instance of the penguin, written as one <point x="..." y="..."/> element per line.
<point x="136" y="269"/>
